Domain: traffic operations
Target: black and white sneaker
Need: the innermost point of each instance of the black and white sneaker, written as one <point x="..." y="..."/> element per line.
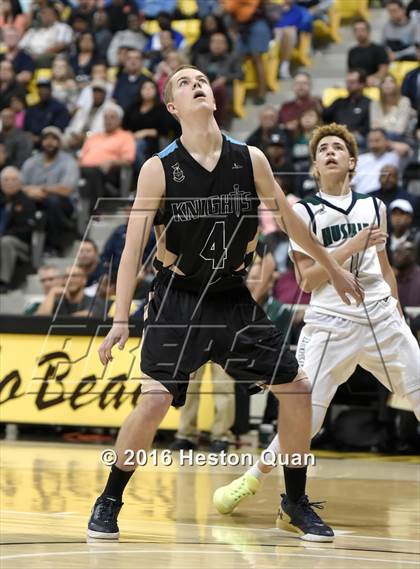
<point x="103" y="520"/>
<point x="300" y="517"/>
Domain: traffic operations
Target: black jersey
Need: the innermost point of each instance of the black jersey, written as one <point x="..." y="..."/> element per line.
<point x="210" y="218"/>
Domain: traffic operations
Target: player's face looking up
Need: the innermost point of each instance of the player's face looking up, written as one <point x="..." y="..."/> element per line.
<point x="333" y="158"/>
<point x="191" y="90"/>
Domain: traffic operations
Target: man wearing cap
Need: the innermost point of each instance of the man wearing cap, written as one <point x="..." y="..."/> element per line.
<point x="48" y="112"/>
<point x="402" y="230"/>
<point x="50" y="177"/>
<point x="283" y="169"/>
<point x="88" y="119"/>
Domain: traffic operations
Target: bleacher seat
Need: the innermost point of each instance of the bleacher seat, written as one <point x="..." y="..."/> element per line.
<point x="187" y="8"/>
<point x="330" y="94"/>
<point x="190" y="29"/>
<point x="328" y="31"/>
<point x="349" y="9"/>
<point x="399" y="69"/>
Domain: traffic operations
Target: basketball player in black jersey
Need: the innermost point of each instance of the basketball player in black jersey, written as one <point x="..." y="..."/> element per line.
<point x="202" y="192"/>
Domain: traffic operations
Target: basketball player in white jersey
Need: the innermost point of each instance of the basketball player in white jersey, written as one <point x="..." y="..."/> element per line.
<point x="338" y="337"/>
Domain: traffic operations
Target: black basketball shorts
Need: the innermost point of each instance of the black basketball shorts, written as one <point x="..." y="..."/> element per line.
<point x="181" y="333"/>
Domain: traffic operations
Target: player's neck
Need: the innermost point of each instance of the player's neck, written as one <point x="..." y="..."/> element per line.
<point x="201" y="136"/>
<point x="335" y="187"/>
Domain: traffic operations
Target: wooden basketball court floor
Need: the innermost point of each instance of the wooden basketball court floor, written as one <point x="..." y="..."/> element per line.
<point x="169" y="522"/>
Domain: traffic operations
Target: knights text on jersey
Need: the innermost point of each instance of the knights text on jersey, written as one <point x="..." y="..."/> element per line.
<point x="209" y="217"/>
<point x="334" y="219"/>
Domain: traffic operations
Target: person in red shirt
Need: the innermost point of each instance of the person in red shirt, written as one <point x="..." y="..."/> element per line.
<point x="291" y="111"/>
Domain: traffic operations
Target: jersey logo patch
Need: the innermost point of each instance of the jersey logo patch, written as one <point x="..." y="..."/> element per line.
<point x="178" y="174"/>
<point x="236" y="166"/>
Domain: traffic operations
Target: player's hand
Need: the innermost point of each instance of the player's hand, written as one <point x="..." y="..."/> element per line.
<point x="368" y="237"/>
<point x="347" y="284"/>
<point x="117" y="335"/>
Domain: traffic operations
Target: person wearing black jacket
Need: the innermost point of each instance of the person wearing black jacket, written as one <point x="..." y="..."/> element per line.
<point x="148" y="119"/>
<point x="17" y="221"/>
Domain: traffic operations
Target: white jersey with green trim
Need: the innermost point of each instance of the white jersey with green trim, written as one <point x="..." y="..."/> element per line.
<point x="334" y="219"/>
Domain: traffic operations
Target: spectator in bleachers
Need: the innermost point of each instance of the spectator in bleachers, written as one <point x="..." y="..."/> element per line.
<point x="408" y="274"/>
<point x="390" y="191"/>
<point x="267" y="127"/>
<point x="17" y="221"/>
<point x="367" y="55"/>
<point x="103" y="35"/>
<point x="9" y="86"/>
<point x="11" y="17"/>
<point x="148" y="120"/>
<point x="283" y="168"/>
<point x="99" y="74"/>
<point x="291" y="111"/>
<point x="48" y="112"/>
<point x="254" y="35"/>
<point x="52" y="37"/>
<point x="50" y="178"/>
<point x="113" y="248"/>
<point x="401" y="227"/>
<point x="172" y="59"/>
<point x="154" y="43"/>
<point x="130" y="80"/>
<point x="22" y="62"/>
<point x="85" y="10"/>
<point x="317" y="8"/>
<point x="85" y="57"/>
<point x="132" y="38"/>
<point x="370" y="163"/>
<point x="118" y="12"/>
<point x="411" y="84"/>
<point x="18" y="106"/>
<point x="209" y="25"/>
<point x="400" y="33"/>
<point x="293" y="19"/>
<point x="167" y="45"/>
<point x="88" y="119"/>
<point x="286" y="288"/>
<point x="392" y="112"/>
<point x="70" y="299"/>
<point x="88" y="258"/>
<point x="353" y="110"/>
<point x="64" y="88"/>
<point x="49" y="276"/>
<point x="18" y="143"/>
<point x="103" y="154"/>
<point x="222" y="68"/>
<point x="3" y="156"/>
<point x="308" y="121"/>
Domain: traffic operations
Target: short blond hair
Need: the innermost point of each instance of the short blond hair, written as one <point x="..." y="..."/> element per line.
<point x="167" y="93"/>
<point x="333" y="129"/>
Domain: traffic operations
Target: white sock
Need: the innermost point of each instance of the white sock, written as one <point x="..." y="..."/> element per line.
<point x="255" y="472"/>
<point x="285" y="69"/>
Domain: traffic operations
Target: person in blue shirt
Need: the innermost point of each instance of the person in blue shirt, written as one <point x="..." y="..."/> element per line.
<point x="48" y="112"/>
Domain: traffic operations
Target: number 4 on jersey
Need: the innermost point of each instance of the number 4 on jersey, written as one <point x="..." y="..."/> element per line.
<point x="214" y="249"/>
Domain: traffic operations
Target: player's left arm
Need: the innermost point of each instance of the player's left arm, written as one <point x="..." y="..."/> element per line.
<point x="386" y="269"/>
<point x="274" y="199"/>
<point x="389" y="276"/>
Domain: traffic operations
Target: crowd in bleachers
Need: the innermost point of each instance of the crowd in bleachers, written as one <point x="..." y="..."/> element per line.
<point x="81" y="109"/>
<point x="81" y="86"/>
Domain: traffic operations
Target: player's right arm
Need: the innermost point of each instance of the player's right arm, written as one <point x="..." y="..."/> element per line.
<point x="311" y="275"/>
<point x="150" y="190"/>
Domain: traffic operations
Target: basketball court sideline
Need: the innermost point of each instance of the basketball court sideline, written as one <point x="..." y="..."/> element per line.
<point x="169" y="520"/>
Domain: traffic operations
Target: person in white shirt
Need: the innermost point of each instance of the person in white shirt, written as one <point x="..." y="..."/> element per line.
<point x="338" y="337"/>
<point x="51" y="38"/>
<point x="369" y="165"/>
